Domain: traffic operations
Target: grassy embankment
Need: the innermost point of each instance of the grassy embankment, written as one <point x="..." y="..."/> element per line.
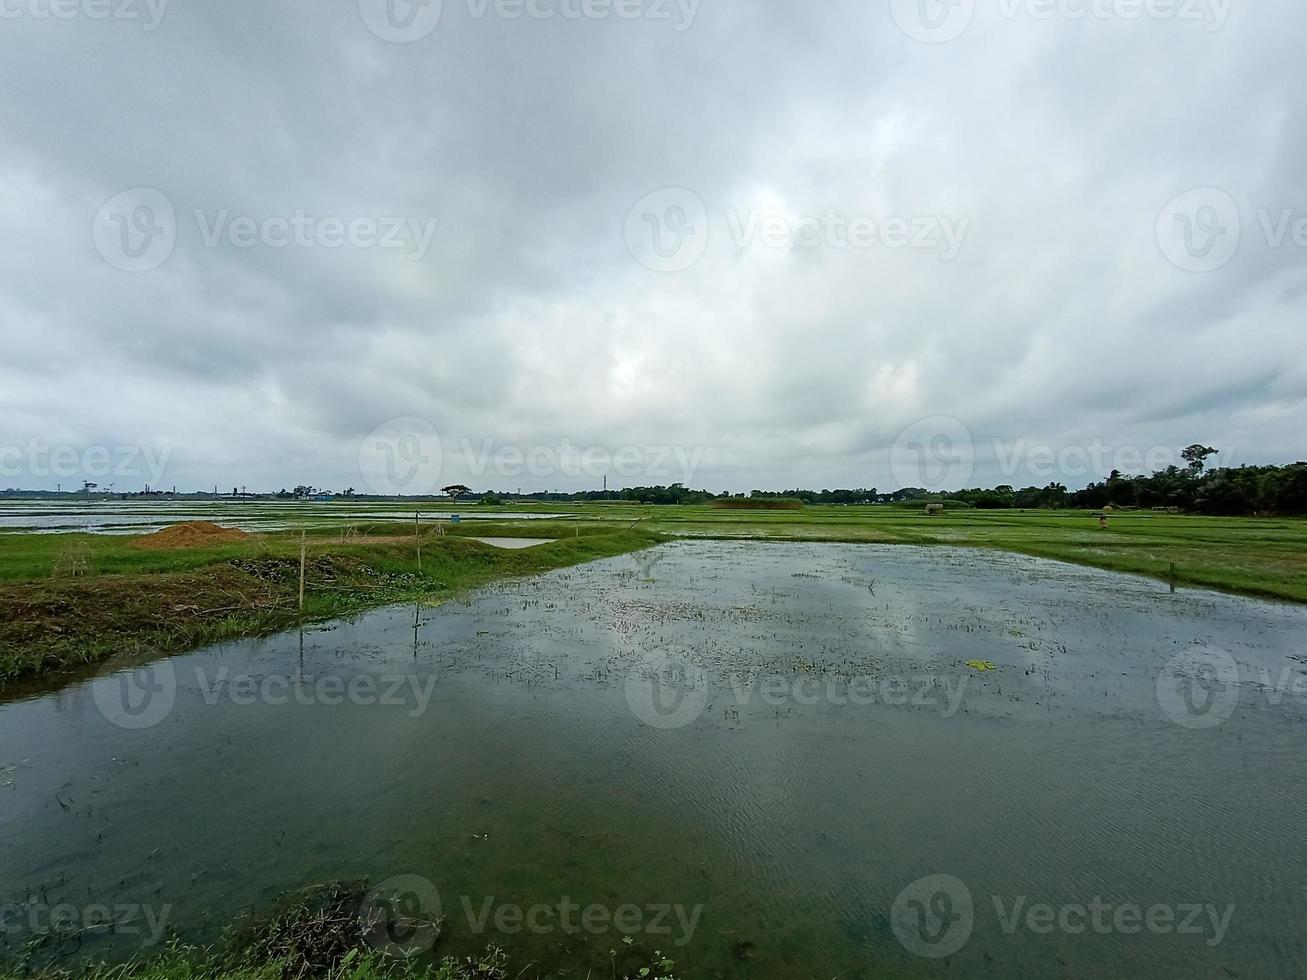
<point x="67" y="601"/>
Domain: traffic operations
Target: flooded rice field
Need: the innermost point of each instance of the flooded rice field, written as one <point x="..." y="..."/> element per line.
<point x="776" y="761"/>
<point x="144" y="517"/>
<point x="514" y="544"/>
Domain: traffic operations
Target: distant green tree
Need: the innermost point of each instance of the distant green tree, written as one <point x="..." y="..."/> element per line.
<point x="1196" y="456"/>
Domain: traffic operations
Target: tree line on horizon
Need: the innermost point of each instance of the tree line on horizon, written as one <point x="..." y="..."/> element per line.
<point x="1224" y="491"/>
<point x="1227" y="491"/>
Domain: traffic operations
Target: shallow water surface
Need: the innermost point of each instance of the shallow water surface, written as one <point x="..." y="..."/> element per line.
<point x="514" y="544"/>
<point x="142" y="516"/>
<point x="764" y="760"/>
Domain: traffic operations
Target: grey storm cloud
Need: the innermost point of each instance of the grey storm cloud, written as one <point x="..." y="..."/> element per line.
<point x="771" y="239"/>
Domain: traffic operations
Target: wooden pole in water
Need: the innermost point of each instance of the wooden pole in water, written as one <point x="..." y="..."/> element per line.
<point x="1172" y="577"/>
<point x="302" y="562"/>
<point x="417" y="536"/>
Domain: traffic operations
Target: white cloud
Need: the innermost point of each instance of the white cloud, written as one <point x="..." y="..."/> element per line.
<point x="1059" y="142"/>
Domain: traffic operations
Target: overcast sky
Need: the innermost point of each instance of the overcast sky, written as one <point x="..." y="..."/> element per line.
<point x="732" y="243"/>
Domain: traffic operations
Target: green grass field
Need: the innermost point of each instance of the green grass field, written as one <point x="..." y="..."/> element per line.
<point x="69" y="600"/>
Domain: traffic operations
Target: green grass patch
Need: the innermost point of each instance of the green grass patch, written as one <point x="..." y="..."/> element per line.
<point x="340" y="931"/>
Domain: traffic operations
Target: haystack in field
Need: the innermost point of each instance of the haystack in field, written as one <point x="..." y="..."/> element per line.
<point x="194" y="534"/>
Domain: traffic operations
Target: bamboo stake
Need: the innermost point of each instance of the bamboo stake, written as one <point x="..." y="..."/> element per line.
<point x="417" y="536"/>
<point x="302" y="563"/>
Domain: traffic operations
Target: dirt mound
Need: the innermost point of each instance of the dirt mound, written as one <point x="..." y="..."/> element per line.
<point x="196" y="534"/>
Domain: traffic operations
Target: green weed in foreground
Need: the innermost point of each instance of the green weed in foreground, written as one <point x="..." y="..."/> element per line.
<point x="332" y="932"/>
<point x="186" y="963"/>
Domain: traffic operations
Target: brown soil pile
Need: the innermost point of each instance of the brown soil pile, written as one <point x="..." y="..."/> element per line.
<point x="196" y="534"/>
